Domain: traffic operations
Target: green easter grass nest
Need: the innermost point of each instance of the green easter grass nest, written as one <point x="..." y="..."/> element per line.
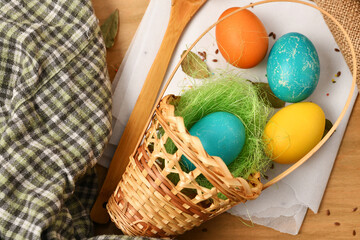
<point x="228" y="92"/>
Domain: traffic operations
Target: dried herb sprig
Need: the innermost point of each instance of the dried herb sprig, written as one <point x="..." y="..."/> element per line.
<point x="109" y="29"/>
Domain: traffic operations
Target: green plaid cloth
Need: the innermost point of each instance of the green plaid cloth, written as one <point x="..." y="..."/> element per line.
<point x="55" y="118"/>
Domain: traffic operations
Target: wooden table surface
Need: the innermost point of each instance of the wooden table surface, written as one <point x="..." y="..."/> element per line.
<point x="342" y="195"/>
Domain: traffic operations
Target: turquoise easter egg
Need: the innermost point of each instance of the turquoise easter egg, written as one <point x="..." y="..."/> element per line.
<point x="293" y="67"/>
<point x="222" y="134"/>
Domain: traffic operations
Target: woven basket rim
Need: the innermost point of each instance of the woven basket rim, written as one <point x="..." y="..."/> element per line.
<point x="194" y="151"/>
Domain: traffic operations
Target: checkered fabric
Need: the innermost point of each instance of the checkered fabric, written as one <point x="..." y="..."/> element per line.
<point x="55" y="118"/>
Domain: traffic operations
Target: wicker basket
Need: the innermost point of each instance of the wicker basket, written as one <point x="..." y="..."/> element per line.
<point x="147" y="203"/>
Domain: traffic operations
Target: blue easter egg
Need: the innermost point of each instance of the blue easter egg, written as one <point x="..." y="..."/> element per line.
<point x="293" y="68"/>
<point x="222" y="134"/>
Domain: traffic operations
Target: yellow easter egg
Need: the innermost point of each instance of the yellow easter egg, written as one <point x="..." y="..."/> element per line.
<point x="293" y="131"/>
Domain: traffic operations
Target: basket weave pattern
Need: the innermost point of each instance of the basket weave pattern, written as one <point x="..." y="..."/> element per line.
<point x="147" y="203"/>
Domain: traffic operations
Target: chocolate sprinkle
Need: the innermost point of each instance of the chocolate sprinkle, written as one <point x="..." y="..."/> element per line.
<point x="337" y="50"/>
<point x="272" y="166"/>
<point x="216" y="51"/>
<point x="338" y="74"/>
<point x="328" y="212"/>
<point x="354" y="233"/>
<point x="354" y="210"/>
<point x="273" y="35"/>
<point x="214" y="60"/>
<point x="337" y="223"/>
<point x="203" y="55"/>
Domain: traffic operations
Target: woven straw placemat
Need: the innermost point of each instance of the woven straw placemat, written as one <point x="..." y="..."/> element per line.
<point x="347" y="12"/>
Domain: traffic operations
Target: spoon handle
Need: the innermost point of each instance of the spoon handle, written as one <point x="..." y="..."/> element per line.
<point x="181" y="13"/>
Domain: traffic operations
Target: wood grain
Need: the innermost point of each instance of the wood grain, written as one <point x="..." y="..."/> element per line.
<point x="341" y="196"/>
<point x="181" y="13"/>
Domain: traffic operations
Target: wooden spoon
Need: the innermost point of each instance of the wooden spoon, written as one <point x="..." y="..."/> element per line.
<point x="181" y="13"/>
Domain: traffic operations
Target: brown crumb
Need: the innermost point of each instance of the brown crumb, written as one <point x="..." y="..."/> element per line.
<point x="328" y="212"/>
<point x="274" y="36"/>
<point x="354" y="233"/>
<point x="338" y="74"/>
<point x="271" y="34"/>
<point x="354" y="210"/>
<point x="266" y="177"/>
<point x="252" y="6"/>
<point x="337" y="50"/>
<point x="216" y="51"/>
<point x="204" y="230"/>
<point x="214" y="60"/>
<point x="337" y="223"/>
<point x="204" y="54"/>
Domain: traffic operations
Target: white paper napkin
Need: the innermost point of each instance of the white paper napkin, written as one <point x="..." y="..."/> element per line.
<point x="284" y="205"/>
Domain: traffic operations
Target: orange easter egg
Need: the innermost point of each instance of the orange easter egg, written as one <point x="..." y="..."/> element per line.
<point x="242" y="38"/>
